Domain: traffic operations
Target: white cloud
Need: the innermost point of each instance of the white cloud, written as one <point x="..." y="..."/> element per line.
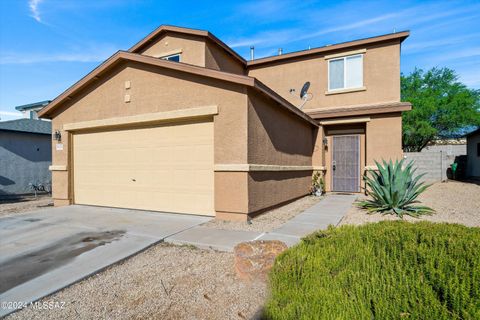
<point x="10" y="113"/>
<point x="402" y="19"/>
<point x="459" y="54"/>
<point x="34" y="12"/>
<point x="269" y="37"/>
<point x="421" y="46"/>
<point x="93" y="54"/>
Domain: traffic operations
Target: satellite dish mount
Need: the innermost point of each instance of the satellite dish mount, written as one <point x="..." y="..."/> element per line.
<point x="305" y="95"/>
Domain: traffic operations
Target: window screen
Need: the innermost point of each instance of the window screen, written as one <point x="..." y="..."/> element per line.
<point x="336" y="74"/>
<point x="354" y="72"/>
<point x="345" y="73"/>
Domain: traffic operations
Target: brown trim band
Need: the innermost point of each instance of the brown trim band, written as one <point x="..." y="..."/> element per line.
<point x="344" y="121"/>
<point x="145" y="118"/>
<point x="329" y="48"/>
<point x="58" y="167"/>
<point x="195" y="32"/>
<point x="247" y="167"/>
<point x="121" y="56"/>
<point x="359" y="110"/>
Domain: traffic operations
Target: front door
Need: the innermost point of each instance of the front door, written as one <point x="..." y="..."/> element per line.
<point x="346" y="163"/>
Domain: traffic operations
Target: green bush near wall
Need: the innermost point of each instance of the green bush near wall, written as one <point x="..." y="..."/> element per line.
<point x="387" y="270"/>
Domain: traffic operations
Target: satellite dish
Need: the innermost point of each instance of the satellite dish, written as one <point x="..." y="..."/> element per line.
<point x="304" y="90"/>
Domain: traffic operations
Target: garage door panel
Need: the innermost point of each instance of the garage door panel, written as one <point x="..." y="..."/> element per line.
<point x="165" y="168"/>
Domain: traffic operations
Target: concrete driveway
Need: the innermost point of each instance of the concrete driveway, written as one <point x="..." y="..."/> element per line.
<point x="45" y="251"/>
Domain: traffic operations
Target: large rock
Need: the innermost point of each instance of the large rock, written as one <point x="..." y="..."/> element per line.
<point x="254" y="259"/>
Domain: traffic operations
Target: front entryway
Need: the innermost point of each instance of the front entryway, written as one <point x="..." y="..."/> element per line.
<point x="346" y="163"/>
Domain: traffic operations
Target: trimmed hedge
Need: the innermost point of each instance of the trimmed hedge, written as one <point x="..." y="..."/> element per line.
<point x="386" y="270"/>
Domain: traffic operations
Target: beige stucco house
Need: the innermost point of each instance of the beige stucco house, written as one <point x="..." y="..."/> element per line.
<point x="181" y="123"/>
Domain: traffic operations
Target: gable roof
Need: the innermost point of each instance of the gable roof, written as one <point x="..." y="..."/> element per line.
<point x="122" y="56"/>
<point x="31" y="106"/>
<point x="196" y="32"/>
<point x="27" y="126"/>
<point x="386" y="37"/>
<point x="474" y="132"/>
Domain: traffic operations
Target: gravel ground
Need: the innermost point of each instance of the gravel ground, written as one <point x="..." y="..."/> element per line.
<point x="269" y="220"/>
<point x="164" y="282"/>
<point x="9" y="207"/>
<point x="179" y="282"/>
<point x="171" y="282"/>
<point x="453" y="201"/>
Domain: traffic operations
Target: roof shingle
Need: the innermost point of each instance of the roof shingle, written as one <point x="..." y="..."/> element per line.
<point x="27" y="125"/>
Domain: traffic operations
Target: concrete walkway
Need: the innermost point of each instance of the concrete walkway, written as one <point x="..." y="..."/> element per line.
<point x="327" y="212"/>
<point x="44" y="251"/>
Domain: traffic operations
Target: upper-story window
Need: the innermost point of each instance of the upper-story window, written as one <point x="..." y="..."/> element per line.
<point x="345" y="72"/>
<point x="173" y="57"/>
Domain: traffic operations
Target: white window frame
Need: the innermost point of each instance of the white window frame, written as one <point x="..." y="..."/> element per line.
<point x="173" y="55"/>
<point x="344" y="58"/>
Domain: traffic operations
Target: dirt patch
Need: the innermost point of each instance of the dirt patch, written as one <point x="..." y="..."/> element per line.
<point x="24" y="204"/>
<point x="269" y="220"/>
<point x="25" y="267"/>
<point x="164" y="282"/>
<point x="453" y="201"/>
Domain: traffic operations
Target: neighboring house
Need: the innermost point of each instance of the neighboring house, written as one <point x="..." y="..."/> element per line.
<point x="181" y="123"/>
<point x="25" y="155"/>
<point x="473" y="154"/>
<point x="30" y="111"/>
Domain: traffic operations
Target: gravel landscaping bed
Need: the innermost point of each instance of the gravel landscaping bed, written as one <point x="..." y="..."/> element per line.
<point x="181" y="282"/>
<point x="171" y="282"/>
<point x="24" y="204"/>
<point x="453" y="201"/>
<point x="269" y="220"/>
<point x="164" y="282"/>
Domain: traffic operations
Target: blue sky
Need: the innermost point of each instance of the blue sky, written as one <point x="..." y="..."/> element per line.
<point x="47" y="45"/>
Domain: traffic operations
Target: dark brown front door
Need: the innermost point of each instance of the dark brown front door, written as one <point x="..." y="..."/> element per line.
<point x="346" y="163"/>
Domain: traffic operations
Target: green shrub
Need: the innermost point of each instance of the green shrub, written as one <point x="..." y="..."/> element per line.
<point x="394" y="190"/>
<point x="387" y="270"/>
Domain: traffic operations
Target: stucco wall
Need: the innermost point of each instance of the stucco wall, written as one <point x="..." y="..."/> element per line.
<point x="384" y="138"/>
<point x="381" y="77"/>
<point x="218" y="59"/>
<point x="193" y="48"/>
<point x="24" y="159"/>
<point x="473" y="161"/>
<point x="153" y="90"/>
<point x="276" y="137"/>
<point x="269" y="189"/>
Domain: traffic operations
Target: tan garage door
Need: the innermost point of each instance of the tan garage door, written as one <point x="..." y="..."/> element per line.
<point x="164" y="168"/>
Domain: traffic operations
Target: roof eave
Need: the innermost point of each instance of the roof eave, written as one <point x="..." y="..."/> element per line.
<point x="31" y="106"/>
<point x="401" y="36"/>
<point x="181" y="67"/>
<point x="195" y="32"/>
<point x="359" y="111"/>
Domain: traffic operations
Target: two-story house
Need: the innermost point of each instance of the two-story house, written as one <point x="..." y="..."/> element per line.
<point x="181" y="123"/>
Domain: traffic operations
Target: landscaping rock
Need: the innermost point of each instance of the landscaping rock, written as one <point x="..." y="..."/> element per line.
<point x="254" y="259"/>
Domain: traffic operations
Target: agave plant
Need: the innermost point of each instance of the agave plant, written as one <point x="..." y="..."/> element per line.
<point x="394" y="190"/>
